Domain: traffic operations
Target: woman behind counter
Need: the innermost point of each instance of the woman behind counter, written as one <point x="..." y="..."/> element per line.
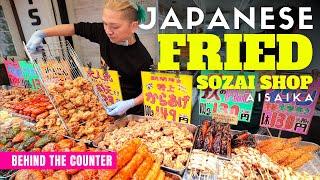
<point x="120" y="48"/>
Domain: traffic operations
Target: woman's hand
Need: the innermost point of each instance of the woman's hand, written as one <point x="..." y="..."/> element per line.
<point x="35" y="41"/>
<point x="120" y="107"/>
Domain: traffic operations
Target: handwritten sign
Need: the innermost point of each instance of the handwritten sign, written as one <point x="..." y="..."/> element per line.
<point x="14" y="72"/>
<point x="290" y="110"/>
<point x="168" y="95"/>
<point x="30" y="76"/>
<point x="107" y="83"/>
<point x="234" y="102"/>
<point x="225" y="118"/>
<point x="55" y="71"/>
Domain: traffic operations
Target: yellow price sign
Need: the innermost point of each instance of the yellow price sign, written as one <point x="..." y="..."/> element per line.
<point x="168" y="95"/>
<point x="107" y="83"/>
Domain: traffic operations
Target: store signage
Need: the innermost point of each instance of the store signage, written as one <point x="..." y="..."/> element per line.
<point x="35" y="15"/>
<point x="167" y="95"/>
<point x="14" y="72"/>
<point x="53" y="71"/>
<point x="233" y="102"/>
<point x="107" y="83"/>
<point x="31" y="78"/>
<point x="290" y="110"/>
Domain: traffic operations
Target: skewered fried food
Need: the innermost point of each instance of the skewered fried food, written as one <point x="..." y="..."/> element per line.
<point x="243" y="139"/>
<point x="279" y="145"/>
<point x="268" y="142"/>
<point x="301" y="161"/>
<point x="308" y="148"/>
<point x="287" y="151"/>
<point x="281" y="155"/>
<point x="202" y="134"/>
<point x="216" y="140"/>
<point x="249" y="163"/>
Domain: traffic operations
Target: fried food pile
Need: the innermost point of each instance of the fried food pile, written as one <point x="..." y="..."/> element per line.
<point x="79" y="107"/>
<point x="243" y="138"/>
<point x="287" y="152"/>
<point x="249" y="163"/>
<point x="64" y="145"/>
<point x="169" y="141"/>
<point x="35" y="105"/>
<point x="215" y="138"/>
<point x="134" y="161"/>
<point x="21" y="138"/>
<point x="13" y="96"/>
<point x="26" y="102"/>
<point x="77" y="104"/>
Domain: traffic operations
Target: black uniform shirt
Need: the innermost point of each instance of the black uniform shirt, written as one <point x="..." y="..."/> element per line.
<point x="129" y="61"/>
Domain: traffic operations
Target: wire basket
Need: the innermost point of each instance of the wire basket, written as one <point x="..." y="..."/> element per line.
<point x="58" y="62"/>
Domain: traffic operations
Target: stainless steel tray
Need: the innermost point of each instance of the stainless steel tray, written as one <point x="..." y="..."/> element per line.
<point x="123" y="122"/>
<point x="312" y="167"/>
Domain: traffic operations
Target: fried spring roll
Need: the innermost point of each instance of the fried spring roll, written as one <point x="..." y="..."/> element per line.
<point x="154" y="171"/>
<point x="144" y="168"/>
<point x="161" y="175"/>
<point x="123" y="157"/>
<point x="128" y="171"/>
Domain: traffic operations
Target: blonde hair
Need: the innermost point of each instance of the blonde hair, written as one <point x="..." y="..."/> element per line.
<point x="131" y="9"/>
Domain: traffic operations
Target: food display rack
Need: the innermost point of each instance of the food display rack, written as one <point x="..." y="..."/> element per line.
<point x="123" y="122"/>
<point x="57" y="53"/>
